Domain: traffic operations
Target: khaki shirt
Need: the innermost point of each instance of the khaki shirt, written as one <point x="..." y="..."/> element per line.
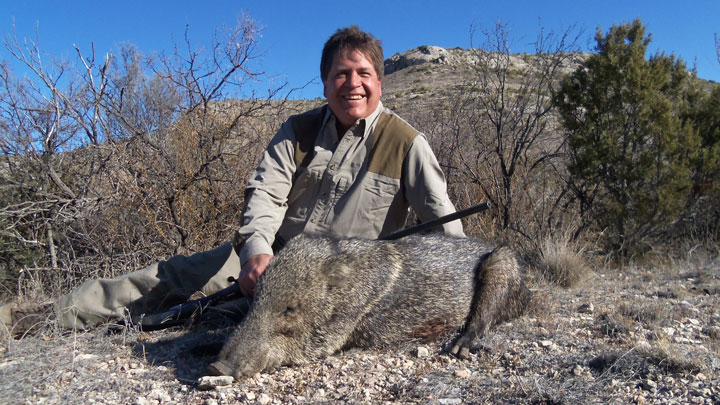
<point x="357" y="185"/>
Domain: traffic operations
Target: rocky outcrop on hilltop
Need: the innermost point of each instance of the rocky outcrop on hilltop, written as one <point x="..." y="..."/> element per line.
<point x="418" y="56"/>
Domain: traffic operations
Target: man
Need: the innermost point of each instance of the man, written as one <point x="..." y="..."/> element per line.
<point x="350" y="169"/>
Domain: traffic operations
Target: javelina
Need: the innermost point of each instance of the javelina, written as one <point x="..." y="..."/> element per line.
<point x="320" y="295"/>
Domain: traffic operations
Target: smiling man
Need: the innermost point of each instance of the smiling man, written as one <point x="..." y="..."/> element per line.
<point x="350" y="168"/>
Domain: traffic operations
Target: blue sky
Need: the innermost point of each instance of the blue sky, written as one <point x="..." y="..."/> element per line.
<point x="294" y="31"/>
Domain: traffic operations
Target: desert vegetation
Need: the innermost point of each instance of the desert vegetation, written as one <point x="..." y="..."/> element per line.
<point x="109" y="162"/>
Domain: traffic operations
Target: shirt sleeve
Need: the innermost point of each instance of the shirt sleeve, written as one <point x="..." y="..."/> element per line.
<point x="425" y="187"/>
<point x="267" y="195"/>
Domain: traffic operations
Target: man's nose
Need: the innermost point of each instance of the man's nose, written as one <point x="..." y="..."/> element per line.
<point x="353" y="80"/>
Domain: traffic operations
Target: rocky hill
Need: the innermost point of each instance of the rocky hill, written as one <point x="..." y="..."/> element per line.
<point x="428" y="75"/>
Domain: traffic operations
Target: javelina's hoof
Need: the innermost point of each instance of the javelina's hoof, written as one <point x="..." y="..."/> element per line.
<point x="220" y="368"/>
<point x="461" y="352"/>
<point x="464" y="343"/>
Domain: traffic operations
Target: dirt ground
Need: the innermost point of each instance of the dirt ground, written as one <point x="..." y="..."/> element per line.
<point x="637" y="335"/>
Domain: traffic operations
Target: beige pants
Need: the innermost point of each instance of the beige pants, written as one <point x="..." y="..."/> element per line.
<point x="146" y="291"/>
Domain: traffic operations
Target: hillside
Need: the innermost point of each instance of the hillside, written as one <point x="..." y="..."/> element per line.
<point x="427" y="75"/>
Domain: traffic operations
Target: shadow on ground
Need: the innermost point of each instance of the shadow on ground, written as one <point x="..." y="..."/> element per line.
<point x="187" y="352"/>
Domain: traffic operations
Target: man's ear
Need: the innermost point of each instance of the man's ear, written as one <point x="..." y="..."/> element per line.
<point x="380" y="87"/>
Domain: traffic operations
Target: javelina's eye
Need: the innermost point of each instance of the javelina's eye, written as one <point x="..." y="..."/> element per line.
<point x="291" y="309"/>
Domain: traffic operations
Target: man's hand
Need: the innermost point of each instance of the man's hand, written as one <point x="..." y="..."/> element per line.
<point x="251" y="271"/>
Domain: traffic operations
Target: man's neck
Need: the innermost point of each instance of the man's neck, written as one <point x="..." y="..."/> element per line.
<point x="340" y="128"/>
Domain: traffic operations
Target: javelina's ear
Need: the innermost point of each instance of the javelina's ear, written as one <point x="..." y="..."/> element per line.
<point x="338" y="271"/>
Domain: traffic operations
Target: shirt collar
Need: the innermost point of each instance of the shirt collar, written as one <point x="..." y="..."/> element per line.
<point x="368" y="123"/>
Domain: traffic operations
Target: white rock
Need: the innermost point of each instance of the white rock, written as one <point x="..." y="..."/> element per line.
<point x="85" y="356"/>
<point x="160" y="395"/>
<point x="546" y="343"/>
<point x="264" y="399"/>
<point x="462" y="373"/>
<point x="209" y="382"/>
<point x="422" y="351"/>
<point x="141" y="401"/>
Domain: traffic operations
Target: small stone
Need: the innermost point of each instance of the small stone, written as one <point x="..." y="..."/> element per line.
<point x="449" y="401"/>
<point x="141" y="401"/>
<point x="696" y="392"/>
<point x="649" y="385"/>
<point x="586" y="308"/>
<point x="462" y="373"/>
<point x="159" y="395"/>
<point x="684" y="340"/>
<point x="700" y="376"/>
<point x="210" y="382"/>
<point x="577" y="370"/>
<point x="422" y="351"/>
<point x="264" y="399"/>
<point x="83" y="357"/>
<point x="250" y="396"/>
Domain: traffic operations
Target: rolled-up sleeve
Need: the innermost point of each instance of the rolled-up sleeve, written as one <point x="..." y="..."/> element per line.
<point x="425" y="186"/>
<point x="267" y="194"/>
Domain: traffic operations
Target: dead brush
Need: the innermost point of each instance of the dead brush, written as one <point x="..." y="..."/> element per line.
<point x="668" y="356"/>
<point x="563" y="262"/>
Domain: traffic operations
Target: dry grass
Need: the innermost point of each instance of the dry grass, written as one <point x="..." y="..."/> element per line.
<point x="671" y="357"/>
<point x="563" y="262"/>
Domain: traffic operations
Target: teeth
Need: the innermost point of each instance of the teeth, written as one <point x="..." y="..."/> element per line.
<point x="354" y="97"/>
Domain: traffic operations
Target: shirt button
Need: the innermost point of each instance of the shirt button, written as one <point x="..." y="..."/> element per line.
<point x="312" y="220"/>
<point x="332" y="167"/>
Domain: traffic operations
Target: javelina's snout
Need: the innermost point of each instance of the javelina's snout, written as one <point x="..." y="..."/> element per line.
<point x="244" y="355"/>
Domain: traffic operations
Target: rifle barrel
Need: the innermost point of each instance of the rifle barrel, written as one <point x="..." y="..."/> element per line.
<point x="436" y="222"/>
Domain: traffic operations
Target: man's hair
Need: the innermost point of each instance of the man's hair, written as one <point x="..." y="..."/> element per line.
<point x="346" y="40"/>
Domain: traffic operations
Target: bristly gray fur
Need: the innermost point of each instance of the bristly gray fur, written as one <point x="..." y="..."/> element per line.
<point x="320" y="295"/>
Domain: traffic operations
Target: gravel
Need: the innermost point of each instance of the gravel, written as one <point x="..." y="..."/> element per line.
<point x="632" y="336"/>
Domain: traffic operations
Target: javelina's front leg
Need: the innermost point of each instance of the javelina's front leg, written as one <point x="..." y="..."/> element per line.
<point x="500" y="295"/>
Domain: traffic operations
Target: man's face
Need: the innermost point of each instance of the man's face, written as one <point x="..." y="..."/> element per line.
<point x="352" y="87"/>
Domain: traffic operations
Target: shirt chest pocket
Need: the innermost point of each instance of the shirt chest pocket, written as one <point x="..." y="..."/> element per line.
<point x="305" y="187"/>
<point x="378" y="193"/>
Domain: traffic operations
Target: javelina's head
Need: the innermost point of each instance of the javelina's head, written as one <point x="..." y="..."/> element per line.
<point x="306" y="305"/>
